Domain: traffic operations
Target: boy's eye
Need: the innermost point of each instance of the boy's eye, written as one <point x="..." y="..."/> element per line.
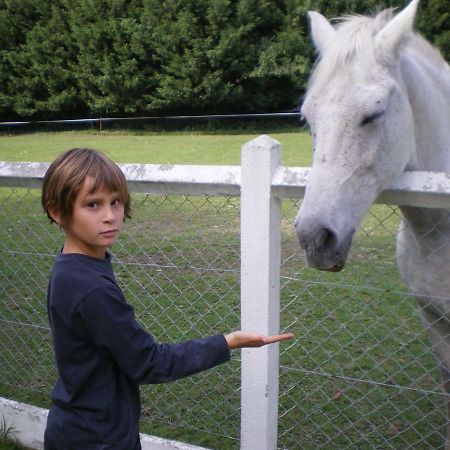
<point x="92" y="204"/>
<point x="116" y="202"/>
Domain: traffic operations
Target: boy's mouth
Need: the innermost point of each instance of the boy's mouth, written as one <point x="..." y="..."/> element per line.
<point x="109" y="233"/>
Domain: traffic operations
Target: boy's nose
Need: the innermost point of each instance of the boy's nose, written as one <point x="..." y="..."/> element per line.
<point x="108" y="215"/>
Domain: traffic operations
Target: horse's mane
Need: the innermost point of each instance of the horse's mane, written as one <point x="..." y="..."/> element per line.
<point x="420" y="47"/>
<point x="355" y="40"/>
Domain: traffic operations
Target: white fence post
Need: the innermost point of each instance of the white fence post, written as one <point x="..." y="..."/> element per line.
<point x="260" y="290"/>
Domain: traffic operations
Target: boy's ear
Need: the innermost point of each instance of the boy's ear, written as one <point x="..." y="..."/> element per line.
<point x="54" y="214"/>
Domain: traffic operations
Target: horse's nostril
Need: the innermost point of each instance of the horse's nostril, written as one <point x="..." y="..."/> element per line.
<point x="326" y="238"/>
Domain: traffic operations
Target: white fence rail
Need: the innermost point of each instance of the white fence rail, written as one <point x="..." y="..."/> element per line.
<point x="261" y="182"/>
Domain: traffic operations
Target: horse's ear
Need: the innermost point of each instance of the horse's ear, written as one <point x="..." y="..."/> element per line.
<point x="322" y="32"/>
<point x="390" y="38"/>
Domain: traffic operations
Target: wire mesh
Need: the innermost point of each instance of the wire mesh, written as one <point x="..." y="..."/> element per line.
<point x="360" y="373"/>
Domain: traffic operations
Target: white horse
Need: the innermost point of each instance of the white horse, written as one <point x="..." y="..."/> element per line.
<point x="378" y="104"/>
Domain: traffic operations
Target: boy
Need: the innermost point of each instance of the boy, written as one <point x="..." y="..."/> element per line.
<point x="102" y="354"/>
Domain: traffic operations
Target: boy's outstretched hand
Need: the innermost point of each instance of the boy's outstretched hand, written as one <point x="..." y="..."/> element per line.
<point x="242" y="339"/>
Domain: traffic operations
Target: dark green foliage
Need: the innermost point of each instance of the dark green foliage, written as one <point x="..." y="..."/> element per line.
<point x="17" y="19"/>
<point x="109" y="58"/>
<point x="71" y="58"/>
<point x="435" y="24"/>
<point x="41" y="78"/>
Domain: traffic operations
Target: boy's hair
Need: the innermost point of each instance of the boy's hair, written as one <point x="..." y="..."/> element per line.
<point x="67" y="174"/>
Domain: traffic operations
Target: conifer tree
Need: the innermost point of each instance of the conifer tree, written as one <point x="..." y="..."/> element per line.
<point x="72" y="58"/>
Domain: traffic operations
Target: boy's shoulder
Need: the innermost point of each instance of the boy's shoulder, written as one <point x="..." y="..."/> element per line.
<point x="81" y="272"/>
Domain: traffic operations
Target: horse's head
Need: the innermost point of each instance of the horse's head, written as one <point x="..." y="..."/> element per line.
<point x="361" y="125"/>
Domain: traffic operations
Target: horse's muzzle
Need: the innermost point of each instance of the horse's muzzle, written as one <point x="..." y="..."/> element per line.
<point x="324" y="248"/>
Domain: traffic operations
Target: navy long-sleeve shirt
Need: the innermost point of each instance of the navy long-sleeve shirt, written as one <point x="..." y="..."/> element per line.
<point x="102" y="355"/>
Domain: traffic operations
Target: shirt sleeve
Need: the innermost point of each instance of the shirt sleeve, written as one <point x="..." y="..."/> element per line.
<point x="111" y="323"/>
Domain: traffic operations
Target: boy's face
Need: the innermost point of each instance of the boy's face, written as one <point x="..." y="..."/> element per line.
<point x="96" y="221"/>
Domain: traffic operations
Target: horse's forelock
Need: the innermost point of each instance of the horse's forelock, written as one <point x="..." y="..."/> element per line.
<point x="354" y="39"/>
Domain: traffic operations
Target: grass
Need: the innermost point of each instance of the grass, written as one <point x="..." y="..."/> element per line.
<point x="168" y="148"/>
<point x="360" y="373"/>
<point x="7" y="437"/>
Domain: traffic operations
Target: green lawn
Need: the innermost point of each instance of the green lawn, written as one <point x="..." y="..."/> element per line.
<point x="360" y="373"/>
<point x="151" y="148"/>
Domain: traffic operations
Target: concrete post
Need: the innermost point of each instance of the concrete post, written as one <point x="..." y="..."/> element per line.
<point x="260" y="287"/>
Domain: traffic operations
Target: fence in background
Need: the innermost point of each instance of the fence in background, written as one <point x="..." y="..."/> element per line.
<point x="210" y="248"/>
<point x="171" y="122"/>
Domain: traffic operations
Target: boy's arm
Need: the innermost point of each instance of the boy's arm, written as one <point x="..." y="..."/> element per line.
<point x="241" y="339"/>
<point x="112" y="325"/>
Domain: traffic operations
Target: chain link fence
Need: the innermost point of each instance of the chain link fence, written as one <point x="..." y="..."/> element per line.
<point x="363" y="374"/>
<point x="360" y="373"/>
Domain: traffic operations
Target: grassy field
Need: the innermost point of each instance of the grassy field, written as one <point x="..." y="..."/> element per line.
<point x="359" y="374"/>
<point x="168" y="148"/>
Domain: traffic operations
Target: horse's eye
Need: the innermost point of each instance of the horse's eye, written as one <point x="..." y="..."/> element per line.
<point x="371" y="118"/>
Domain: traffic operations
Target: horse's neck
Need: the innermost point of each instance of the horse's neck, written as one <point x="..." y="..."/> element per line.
<point x="425" y="221"/>
<point x="427" y="80"/>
